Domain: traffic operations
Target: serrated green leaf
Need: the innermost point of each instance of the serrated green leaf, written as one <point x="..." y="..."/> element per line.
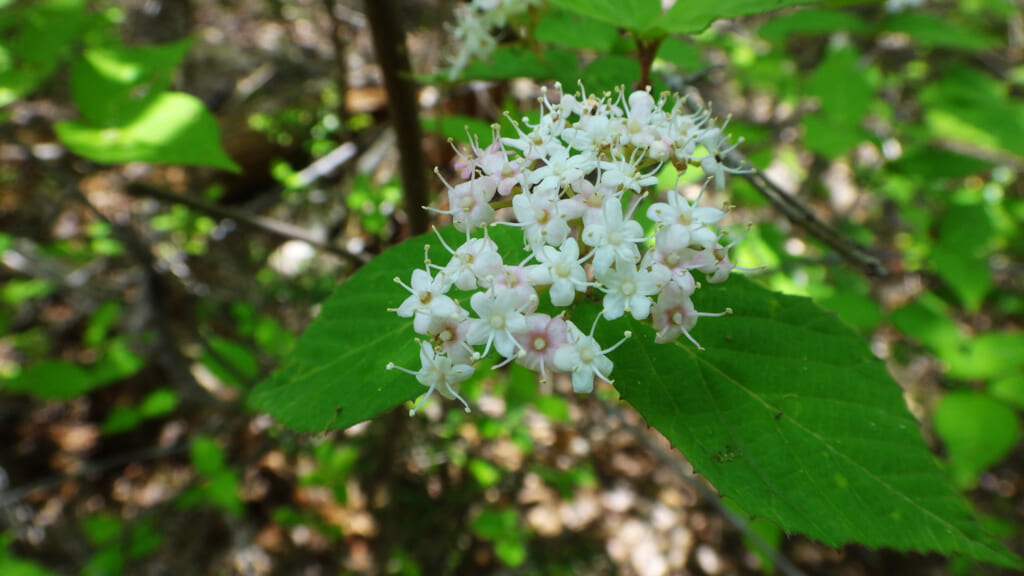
<point x="575" y="30"/>
<point x="978" y="431"/>
<point x="174" y="128"/>
<point x="636" y="16"/>
<point x="694" y="16"/>
<point x="788" y="412"/>
<point x="335" y="377"/>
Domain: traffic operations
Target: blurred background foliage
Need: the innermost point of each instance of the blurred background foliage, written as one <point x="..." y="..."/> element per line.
<point x="182" y="182"/>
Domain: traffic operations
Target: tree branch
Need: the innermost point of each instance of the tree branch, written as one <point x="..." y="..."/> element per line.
<point x="800" y="214"/>
<point x="393" y="57"/>
<point x="271" y="226"/>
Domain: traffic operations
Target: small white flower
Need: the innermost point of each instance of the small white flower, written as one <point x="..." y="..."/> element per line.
<point x="615" y="236"/>
<point x="563" y="270"/>
<point x="539" y="215"/>
<point x="678" y="211"/>
<point x="543" y="337"/>
<point x="584" y="358"/>
<point x="627" y="289"/>
<point x="500" y="319"/>
<point x="474" y="263"/>
<point x="437" y="372"/>
<point x="469" y="202"/>
<point x="674" y="314"/>
<point x="428" y="298"/>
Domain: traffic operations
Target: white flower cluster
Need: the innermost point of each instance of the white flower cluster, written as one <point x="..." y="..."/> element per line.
<point x="574" y="180"/>
<point x="475" y="23"/>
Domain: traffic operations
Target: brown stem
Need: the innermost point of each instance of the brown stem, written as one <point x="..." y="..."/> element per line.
<point x="393" y="57"/>
<point x="645" y="53"/>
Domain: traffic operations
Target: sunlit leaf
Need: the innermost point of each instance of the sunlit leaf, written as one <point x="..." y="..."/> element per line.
<point x="978" y="431"/>
<point x="174" y="128"/>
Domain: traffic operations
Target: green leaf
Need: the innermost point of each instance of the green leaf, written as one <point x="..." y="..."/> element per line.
<point x="37" y="36"/>
<point x="1009" y="389"/>
<point x="961" y="256"/>
<point x="931" y="31"/>
<point x="840" y="85"/>
<point x="174" y="128"/>
<point x="102" y="320"/>
<point x="969" y="106"/>
<point x="102" y="529"/>
<point x="969" y="275"/>
<point x="831" y="139"/>
<point x="991" y="355"/>
<point x="573" y="30"/>
<point x="494" y="524"/>
<point x="242" y="365"/>
<point x="121" y="419"/>
<point x="335" y="377"/>
<point x="788" y="413"/>
<point x="610" y="72"/>
<point x="692" y="16"/>
<point x="506" y="62"/>
<point x="113" y="85"/>
<point x="207" y="456"/>
<point x="978" y="431"/>
<point x="636" y="16"/>
<point x="683" y="54"/>
<point x="485" y="473"/>
<point x="457" y="127"/>
<point x="14" y="567"/>
<point x="511" y="551"/>
<point x="158" y="402"/>
<point x="17" y="292"/>
<point x="52" y="380"/>
<point x="812" y="21"/>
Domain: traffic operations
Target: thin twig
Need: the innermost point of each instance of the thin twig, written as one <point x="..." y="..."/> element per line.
<point x="800" y="214"/>
<point x="269" y="225"/>
<point x="15" y="495"/>
<point x="667" y="459"/>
